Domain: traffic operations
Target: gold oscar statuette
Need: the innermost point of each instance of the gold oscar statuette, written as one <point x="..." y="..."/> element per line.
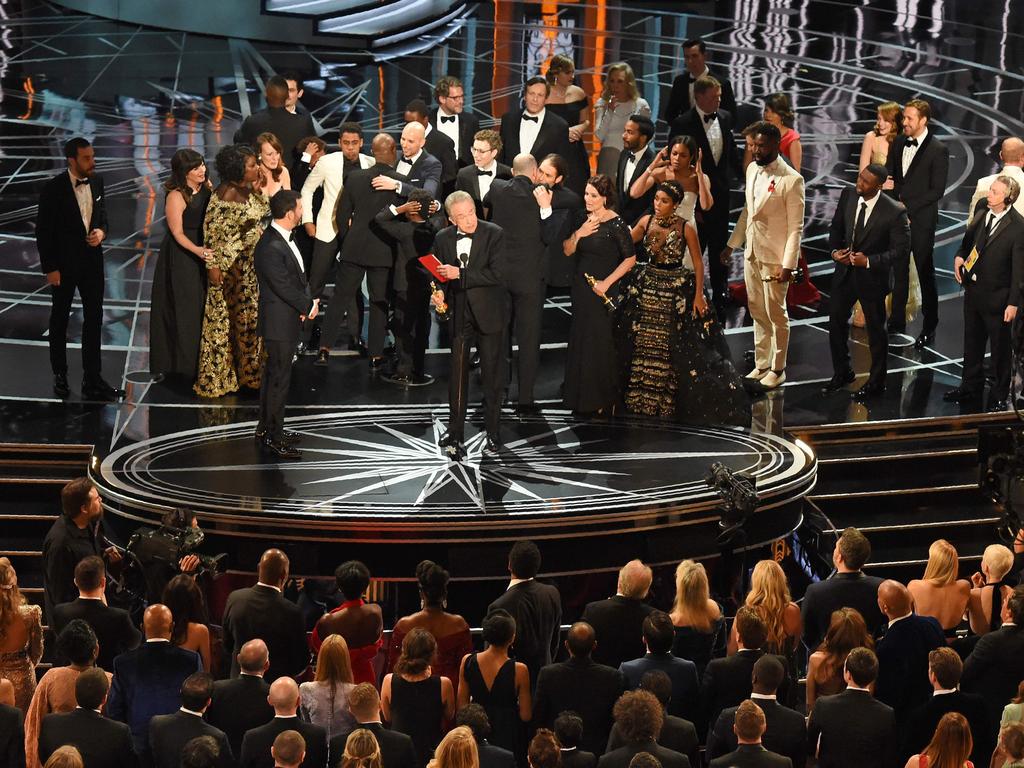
<point x="442" y="308"/>
<point x="609" y="305"/>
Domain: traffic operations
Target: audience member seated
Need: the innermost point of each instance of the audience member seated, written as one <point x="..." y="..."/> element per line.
<point x="618" y="620"/>
<point x="750" y="752"/>
<point x="499" y="684"/>
<point x="785" y="730"/>
<point x="289" y="751"/>
<point x="325" y="700"/>
<point x="65" y="757"/>
<point x="536" y="608"/>
<point x="769" y="598"/>
<point x="544" y="750"/>
<point x="185" y="599"/>
<point x="356" y="620"/>
<point x="989" y="590"/>
<point x="240" y="704"/>
<point x="1014" y="711"/>
<point x="1010" y="752"/>
<point x="257" y="743"/>
<point x="474" y="717"/>
<point x="580" y="685"/>
<point x="263" y="612"/>
<point x="569" y="732"/>
<point x="456" y="750"/>
<point x="396" y="749"/>
<point x="21" y="636"/>
<point x="644" y="760"/>
<point x="414" y="702"/>
<point x="361" y="750"/>
<point x="639" y="717"/>
<point x="853" y="729"/>
<point x="699" y="621"/>
<point x="113" y="626"/>
<point x="201" y="752"/>
<point x="846" y="631"/>
<point x="903" y="651"/>
<point x="848" y="587"/>
<point x="677" y="734"/>
<point x="449" y="630"/>
<point x="658" y="635"/>
<point x="12" y="728"/>
<point x="147" y="680"/>
<point x="939" y="593"/>
<point x="56" y="689"/>
<point x="102" y="742"/>
<point x="944" y="670"/>
<point x="996" y="665"/>
<point x="950" y="745"/>
<point x="168" y="734"/>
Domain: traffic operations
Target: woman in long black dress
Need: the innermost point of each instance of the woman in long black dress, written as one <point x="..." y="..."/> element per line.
<point x="570" y="102"/>
<point x="179" y="279"/>
<point x="603" y="250"/>
<point x="676" y="361"/>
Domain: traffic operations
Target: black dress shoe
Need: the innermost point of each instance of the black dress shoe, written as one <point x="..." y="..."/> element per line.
<point x="867" y="392"/>
<point x="838" y="381"/>
<point x="378" y="364"/>
<point x="527" y="409"/>
<point x="100" y="390"/>
<point x="281" y="449"/>
<point x="451" y="445"/>
<point x="474" y="360"/>
<point x="322" y="357"/>
<point x="997" y="407"/>
<point x="358" y="345"/>
<point x="926" y="338"/>
<point x="60" y="385"/>
<point x="493" y="444"/>
<point x="449" y="439"/>
<point x="961" y="395"/>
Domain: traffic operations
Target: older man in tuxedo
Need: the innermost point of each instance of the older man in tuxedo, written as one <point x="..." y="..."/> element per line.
<point x="769" y="229"/>
<point x="240" y="704"/>
<point x="635" y="158"/>
<point x="618" y="620"/>
<point x="682" y="96"/>
<point x="1011" y="153"/>
<point x="476" y="179"/>
<point x="869" y="232"/>
<point x="533" y="130"/>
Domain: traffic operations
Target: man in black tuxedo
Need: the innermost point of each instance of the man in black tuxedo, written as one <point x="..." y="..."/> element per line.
<point x="289" y="127"/>
<point x="113" y="626"/>
<point x="635" y="158"/>
<point x="568" y="729"/>
<point x="638" y="716"/>
<point x="453" y="119"/>
<point x="264" y="612"/>
<point x="710" y="123"/>
<point x="257" y="743"/>
<point x="853" y="729"/>
<point x="417" y="167"/>
<point x="750" y="752"/>
<point x="918" y="163"/>
<point x="240" y="704"/>
<point x="869" y="233"/>
<point x="579" y="685"/>
<point x="12" y="729"/>
<point x="435" y="143"/>
<point x="618" y="620"/>
<point x="785" y="729"/>
<point x="681" y="97"/>
<point x="472" y="256"/>
<point x="996" y="665"/>
<point x="284" y="305"/>
<point x="168" y="734"/>
<point x="476" y="178"/>
<point x="657" y="633"/>
<point x="103" y="742"/>
<point x="990" y="266"/>
<point x="944" y="671"/>
<point x="522" y="208"/>
<point x="71" y="225"/>
<point x="536" y="608"/>
<point x="848" y="587"/>
<point x="396" y="749"/>
<point x="533" y="130"/>
<point x="676" y="734"/>
<point x="565" y="204"/>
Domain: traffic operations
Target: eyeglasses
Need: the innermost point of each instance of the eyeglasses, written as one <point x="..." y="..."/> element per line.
<point x="478" y="151"/>
<point x="460" y="97"/>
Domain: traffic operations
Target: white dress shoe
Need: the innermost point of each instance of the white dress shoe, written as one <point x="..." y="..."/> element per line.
<point x="757" y="374"/>
<point x="771" y="380"/>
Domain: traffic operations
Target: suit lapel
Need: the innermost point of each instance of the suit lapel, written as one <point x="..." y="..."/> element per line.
<point x="1001" y="225"/>
<point x="917" y="155"/>
<point x="773" y="179"/>
<point x="476" y="182"/>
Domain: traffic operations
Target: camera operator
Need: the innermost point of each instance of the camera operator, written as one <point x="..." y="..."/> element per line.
<point x="163" y="553"/>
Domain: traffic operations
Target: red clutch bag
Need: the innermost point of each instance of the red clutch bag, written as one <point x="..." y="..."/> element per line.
<point x="432" y="264"/>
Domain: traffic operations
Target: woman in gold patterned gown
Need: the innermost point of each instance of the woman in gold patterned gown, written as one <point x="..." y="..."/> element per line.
<point x="675" y="357"/>
<point x="230" y="353"/>
<point x="21" y="637"/>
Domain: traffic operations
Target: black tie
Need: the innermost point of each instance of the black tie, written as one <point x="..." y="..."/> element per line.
<point x="911" y="142"/>
<point x="484" y="173"/>
<point x="447" y="118"/>
<point x="80" y="182"/>
<point x="533" y="118"/>
<point x="991" y="223"/>
<point x="291" y="236"/>
<point x="462" y="235"/>
<point x="858" y="228"/>
<point x="711" y="117"/>
<point x="632" y="158"/>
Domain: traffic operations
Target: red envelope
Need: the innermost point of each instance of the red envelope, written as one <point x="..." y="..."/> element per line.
<point x="432" y="264"/>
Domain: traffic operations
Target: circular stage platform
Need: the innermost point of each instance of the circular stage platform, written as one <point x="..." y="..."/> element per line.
<point x="372" y="481"/>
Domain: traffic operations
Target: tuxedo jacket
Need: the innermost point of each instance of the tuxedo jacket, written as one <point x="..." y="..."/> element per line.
<point x="238" y="705"/>
<point x="770" y="229"/>
<point x="480" y="285"/>
<point x="60" y="233"/>
<point x="728" y="681"/>
<point x="469" y="124"/>
<point x="920" y="727"/>
<point x="618" y="626"/>
<point x="720" y="174"/>
<point x="553" y="136"/>
<point x="468" y="180"/>
<point x="785" y="733"/>
<point x="12" y="737"/>
<point x="290" y="129"/>
<point x="514" y="208"/>
<point x="679" y="97"/>
<point x="853" y="729"/>
<point x="573" y="758"/>
<point x="104" y="743"/>
<point x="168" y="735"/>
<point x="924" y="184"/>
<point x="426" y="173"/>
<point x="362" y="241"/>
<point x="903" y="662"/>
<point x="411" y="240"/>
<point x="440" y="145"/>
<point x="328" y="176"/>
<point x="396" y="749"/>
<point x="677" y="734"/>
<point x="256" y="743"/>
<point x="621" y="757"/>
<point x="284" y="291"/>
<point x="265" y="613"/>
<point x="113" y="627"/>
<point x="751" y="756"/>
<point x="853" y="590"/>
<point x="885" y="241"/>
<point x="537" y="609"/>
<point x="585" y="687"/>
<point x="682" y="673"/>
<point x="995" y="281"/>
<point x="994" y="668"/>
<point x="632" y="208"/>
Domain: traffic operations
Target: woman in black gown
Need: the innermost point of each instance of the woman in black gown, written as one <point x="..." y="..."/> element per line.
<point x="179" y="279"/>
<point x="675" y="359"/>
<point x="602" y="248"/>
<point x="570" y="102"/>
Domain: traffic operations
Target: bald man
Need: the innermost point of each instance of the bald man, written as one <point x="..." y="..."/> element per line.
<point x="1012" y="156"/>
<point x="240" y="704"/>
<point x="12" y="729"/>
<point x="258" y="742"/>
<point x="264" y="612"/>
<point x="618" y="620"/>
<point x="147" y="680"/>
<point x="903" y="651"/>
<point x="580" y="685"/>
<point x="416" y="167"/>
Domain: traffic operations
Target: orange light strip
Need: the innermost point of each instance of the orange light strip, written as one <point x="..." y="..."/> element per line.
<point x="218" y="112"/>
<point x="30" y="93"/>
<point x="600" y="25"/>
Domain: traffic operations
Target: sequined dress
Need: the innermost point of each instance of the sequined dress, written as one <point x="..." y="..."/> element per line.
<point x="20" y="666"/>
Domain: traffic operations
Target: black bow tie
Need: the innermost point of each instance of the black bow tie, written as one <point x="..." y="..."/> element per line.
<point x="484" y="173"/>
<point x="291" y="236"/>
<point x="448" y="118"/>
<point x="911" y="142"/>
<point x="533" y="118"/>
<point x="632" y="158"/>
<point x="711" y="117"/>
<point x="462" y="235"/>
<point x="80" y="182"/>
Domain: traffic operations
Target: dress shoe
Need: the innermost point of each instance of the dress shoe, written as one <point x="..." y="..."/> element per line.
<point x="758" y="373"/>
<point x="771" y="380"/>
<point x="378" y="364"/>
<point x="356" y="344"/>
<point x="926" y="338"/>
<point x="867" y="392"/>
<point x="322" y="358"/>
<point x="997" y="406"/>
<point x="838" y="381"/>
<point x="961" y="395"/>
<point x="493" y="444"/>
<point x="60" y="385"/>
<point x="281" y="449"/>
<point x="98" y="389"/>
<point x="451" y="445"/>
<point x="527" y="409"/>
<point x="288" y="438"/>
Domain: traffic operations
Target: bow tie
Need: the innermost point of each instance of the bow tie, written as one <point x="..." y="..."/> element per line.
<point x="484" y="173"/>
<point x="709" y="118"/>
<point x="448" y="118"/>
<point x="911" y="142"/>
<point x="80" y="182"/>
<point x="462" y="235"/>
<point x="631" y="158"/>
<point x="533" y="118"/>
<point x="291" y="236"/>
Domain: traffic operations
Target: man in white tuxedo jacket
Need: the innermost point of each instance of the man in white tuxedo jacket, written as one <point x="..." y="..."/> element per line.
<point x="1012" y="155"/>
<point x="769" y="229"/>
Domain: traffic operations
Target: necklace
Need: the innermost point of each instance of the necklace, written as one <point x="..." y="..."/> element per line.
<point x="667" y="221"/>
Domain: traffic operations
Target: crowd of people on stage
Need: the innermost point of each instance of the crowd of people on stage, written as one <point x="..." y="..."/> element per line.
<point x="931" y="672"/>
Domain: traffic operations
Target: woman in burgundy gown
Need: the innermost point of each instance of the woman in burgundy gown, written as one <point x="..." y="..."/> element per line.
<point x="358" y="621"/>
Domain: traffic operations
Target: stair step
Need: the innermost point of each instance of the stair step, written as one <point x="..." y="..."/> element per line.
<point x="957" y="488"/>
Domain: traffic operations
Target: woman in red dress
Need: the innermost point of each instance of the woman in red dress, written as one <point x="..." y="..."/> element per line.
<point x="359" y="622"/>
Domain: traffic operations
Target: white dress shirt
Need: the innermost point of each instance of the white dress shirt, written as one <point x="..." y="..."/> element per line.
<point x="405" y="164"/>
<point x="909" y="151"/>
<point x="449" y="128"/>
<point x="713" y="130"/>
<point x="485" y="181"/>
<point x="83" y="195"/>
<point x="629" y="169"/>
<point x="763" y="179"/>
<point x="287" y="235"/>
<point x="992" y="218"/>
<point x="528" y="130"/>
<point x="463" y="245"/>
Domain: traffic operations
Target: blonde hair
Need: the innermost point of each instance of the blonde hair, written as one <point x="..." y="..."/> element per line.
<point x="768" y="598"/>
<point x="361" y="750"/>
<point x="892" y="113"/>
<point x="943" y="563"/>
<point x="692" y="595"/>
<point x="333" y="663"/>
<point x="999" y="560"/>
<point x="11" y="598"/>
<point x="456" y="750"/>
<point x="625" y="69"/>
<point x="65" y="757"/>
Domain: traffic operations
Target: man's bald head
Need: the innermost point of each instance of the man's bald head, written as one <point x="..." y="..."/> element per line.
<point x="284" y="696"/>
<point x="157" y="622"/>
<point x="383" y="149"/>
<point x="894" y="599"/>
<point x="413" y="136"/>
<point x="524" y="165"/>
<point x="581" y="639"/>
<point x="1012" y="151"/>
<point x="273" y="568"/>
<point x="635" y="580"/>
<point x="6" y="692"/>
<point x="254" y="658"/>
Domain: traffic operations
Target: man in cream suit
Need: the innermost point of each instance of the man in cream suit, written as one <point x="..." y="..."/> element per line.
<point x="769" y="228"/>
<point x="1012" y="155"/>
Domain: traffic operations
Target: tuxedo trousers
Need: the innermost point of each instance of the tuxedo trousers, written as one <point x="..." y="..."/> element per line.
<point x="713" y="234"/>
<point x="277" y="378"/>
<point x="922" y="247"/>
<point x="527" y="292"/>
<point x="766" y="302"/>
<point x="412" y="323"/>
<point x="844" y="295"/>
<point x="464" y="331"/>
<point x="983" y="324"/>
<point x="345" y="303"/>
<point x="87" y="279"/>
<point x="325" y="257"/>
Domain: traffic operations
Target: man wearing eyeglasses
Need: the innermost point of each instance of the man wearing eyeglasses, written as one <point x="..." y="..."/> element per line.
<point x="451" y="118"/>
<point x="476" y="179"/>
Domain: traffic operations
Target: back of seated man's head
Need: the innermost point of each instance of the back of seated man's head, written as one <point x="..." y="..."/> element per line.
<point x="658" y="632"/>
<point x="78" y="644"/>
<point x="750" y="629"/>
<point x="1015" y="605"/>
<point x="580" y="640"/>
<point x="91" y="688"/>
<point x="474" y="717"/>
<point x="200" y="752"/>
<point x="862" y="666"/>
<point x="635" y="580"/>
<point x="644" y="760"/>
<point x="768" y="675"/>
<point x="894" y="599"/>
<point x="660" y="684"/>
<point x="289" y="749"/>
<point x="639" y="716"/>
<point x="254" y="657"/>
<point x="284" y="696"/>
<point x="1011" y="739"/>
<point x="89" y="574"/>
<point x="364" y="703"/>
<point x="524" y="560"/>
<point x="568" y="729"/>
<point x="854" y="548"/>
<point x="157" y="622"/>
<point x="946" y="667"/>
<point x="196" y="691"/>
<point x="749" y="724"/>
<point x="273" y="568"/>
